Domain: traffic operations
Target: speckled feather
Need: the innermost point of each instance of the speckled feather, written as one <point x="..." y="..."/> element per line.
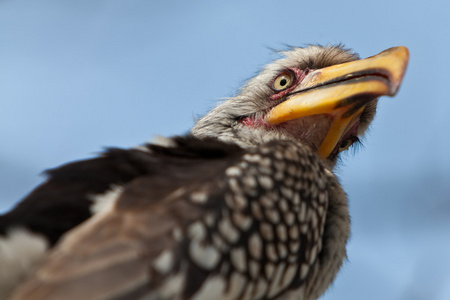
<point x="222" y="221"/>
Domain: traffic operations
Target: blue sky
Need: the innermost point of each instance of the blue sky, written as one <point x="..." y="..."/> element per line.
<point x="77" y="76"/>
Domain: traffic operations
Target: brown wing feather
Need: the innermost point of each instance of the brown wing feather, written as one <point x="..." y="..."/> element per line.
<point x="203" y="223"/>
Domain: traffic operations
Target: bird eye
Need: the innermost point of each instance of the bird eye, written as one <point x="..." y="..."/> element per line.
<point x="346" y="144"/>
<point x="283" y="81"/>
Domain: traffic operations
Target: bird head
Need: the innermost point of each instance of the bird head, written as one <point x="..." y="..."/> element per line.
<point x="324" y="97"/>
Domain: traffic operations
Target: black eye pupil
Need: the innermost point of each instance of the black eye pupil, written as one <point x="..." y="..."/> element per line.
<point x="283" y="82"/>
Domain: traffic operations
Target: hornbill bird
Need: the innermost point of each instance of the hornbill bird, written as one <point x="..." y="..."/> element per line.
<point x="246" y="206"/>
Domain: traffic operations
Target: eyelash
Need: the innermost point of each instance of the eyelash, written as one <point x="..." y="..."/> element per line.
<point x="356" y="145"/>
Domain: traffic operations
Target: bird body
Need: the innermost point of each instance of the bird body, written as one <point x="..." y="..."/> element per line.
<point x="220" y="214"/>
<point x="245" y="207"/>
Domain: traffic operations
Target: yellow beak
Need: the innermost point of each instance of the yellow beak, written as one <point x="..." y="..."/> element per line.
<point x="342" y="91"/>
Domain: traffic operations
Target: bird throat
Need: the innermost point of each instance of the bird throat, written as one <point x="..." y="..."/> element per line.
<point x="311" y="130"/>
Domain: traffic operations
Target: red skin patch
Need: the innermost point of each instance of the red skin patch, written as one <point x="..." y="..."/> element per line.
<point x="299" y="75"/>
<point x="254" y="123"/>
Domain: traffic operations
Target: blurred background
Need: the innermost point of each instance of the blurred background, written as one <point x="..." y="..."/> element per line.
<point x="77" y="76"/>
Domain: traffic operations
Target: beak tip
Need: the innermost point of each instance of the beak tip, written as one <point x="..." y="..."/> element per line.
<point x="401" y="54"/>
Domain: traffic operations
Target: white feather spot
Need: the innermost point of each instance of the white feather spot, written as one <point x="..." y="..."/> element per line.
<point x="105" y="201"/>
<point x="292" y="170"/>
<point x="236" y="201"/>
<point x="293" y="233"/>
<point x="143" y="148"/>
<point x="217" y="288"/>
<point x="241" y="220"/>
<point x="20" y="252"/>
<point x="266" y="201"/>
<point x="237" y="283"/>
<point x="271" y="253"/>
<point x="314" y="219"/>
<point x="234" y="186"/>
<point x="296" y="199"/>
<point x="172" y="287"/>
<point x="233" y="171"/>
<point x="269" y="268"/>
<point x="177" y="234"/>
<point x="163" y="141"/>
<point x="219" y="242"/>
<point x="243" y="164"/>
<point x="197" y="231"/>
<point x="275" y="283"/>
<point x="256" y="210"/>
<point x="288" y="275"/>
<point x="282" y="250"/>
<point x="238" y="259"/>
<point x="227" y="230"/>
<point x="252" y="157"/>
<point x="272" y="215"/>
<point x="287" y="192"/>
<point x="278" y="155"/>
<point x="281" y="232"/>
<point x="205" y="256"/>
<point x="164" y="262"/>
<point x="210" y="289"/>
<point x="302" y="212"/>
<point x="304" y="228"/>
<point x="255" y="246"/>
<point x="266" y="162"/>
<point x="321" y="211"/>
<point x="266" y="231"/>
<point x="254" y="269"/>
<point x="210" y="219"/>
<point x="313" y="254"/>
<point x="249" y="182"/>
<point x="304" y="270"/>
<point x="283" y="204"/>
<point x="260" y="288"/>
<point x="278" y="176"/>
<point x="248" y="291"/>
<point x="289" y="218"/>
<point x="266" y="182"/>
<point x="290" y="154"/>
<point x="323" y="197"/>
<point x="294" y="246"/>
<point x="199" y="197"/>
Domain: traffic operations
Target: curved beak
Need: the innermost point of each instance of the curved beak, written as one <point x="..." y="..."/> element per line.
<point x="342" y="91"/>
